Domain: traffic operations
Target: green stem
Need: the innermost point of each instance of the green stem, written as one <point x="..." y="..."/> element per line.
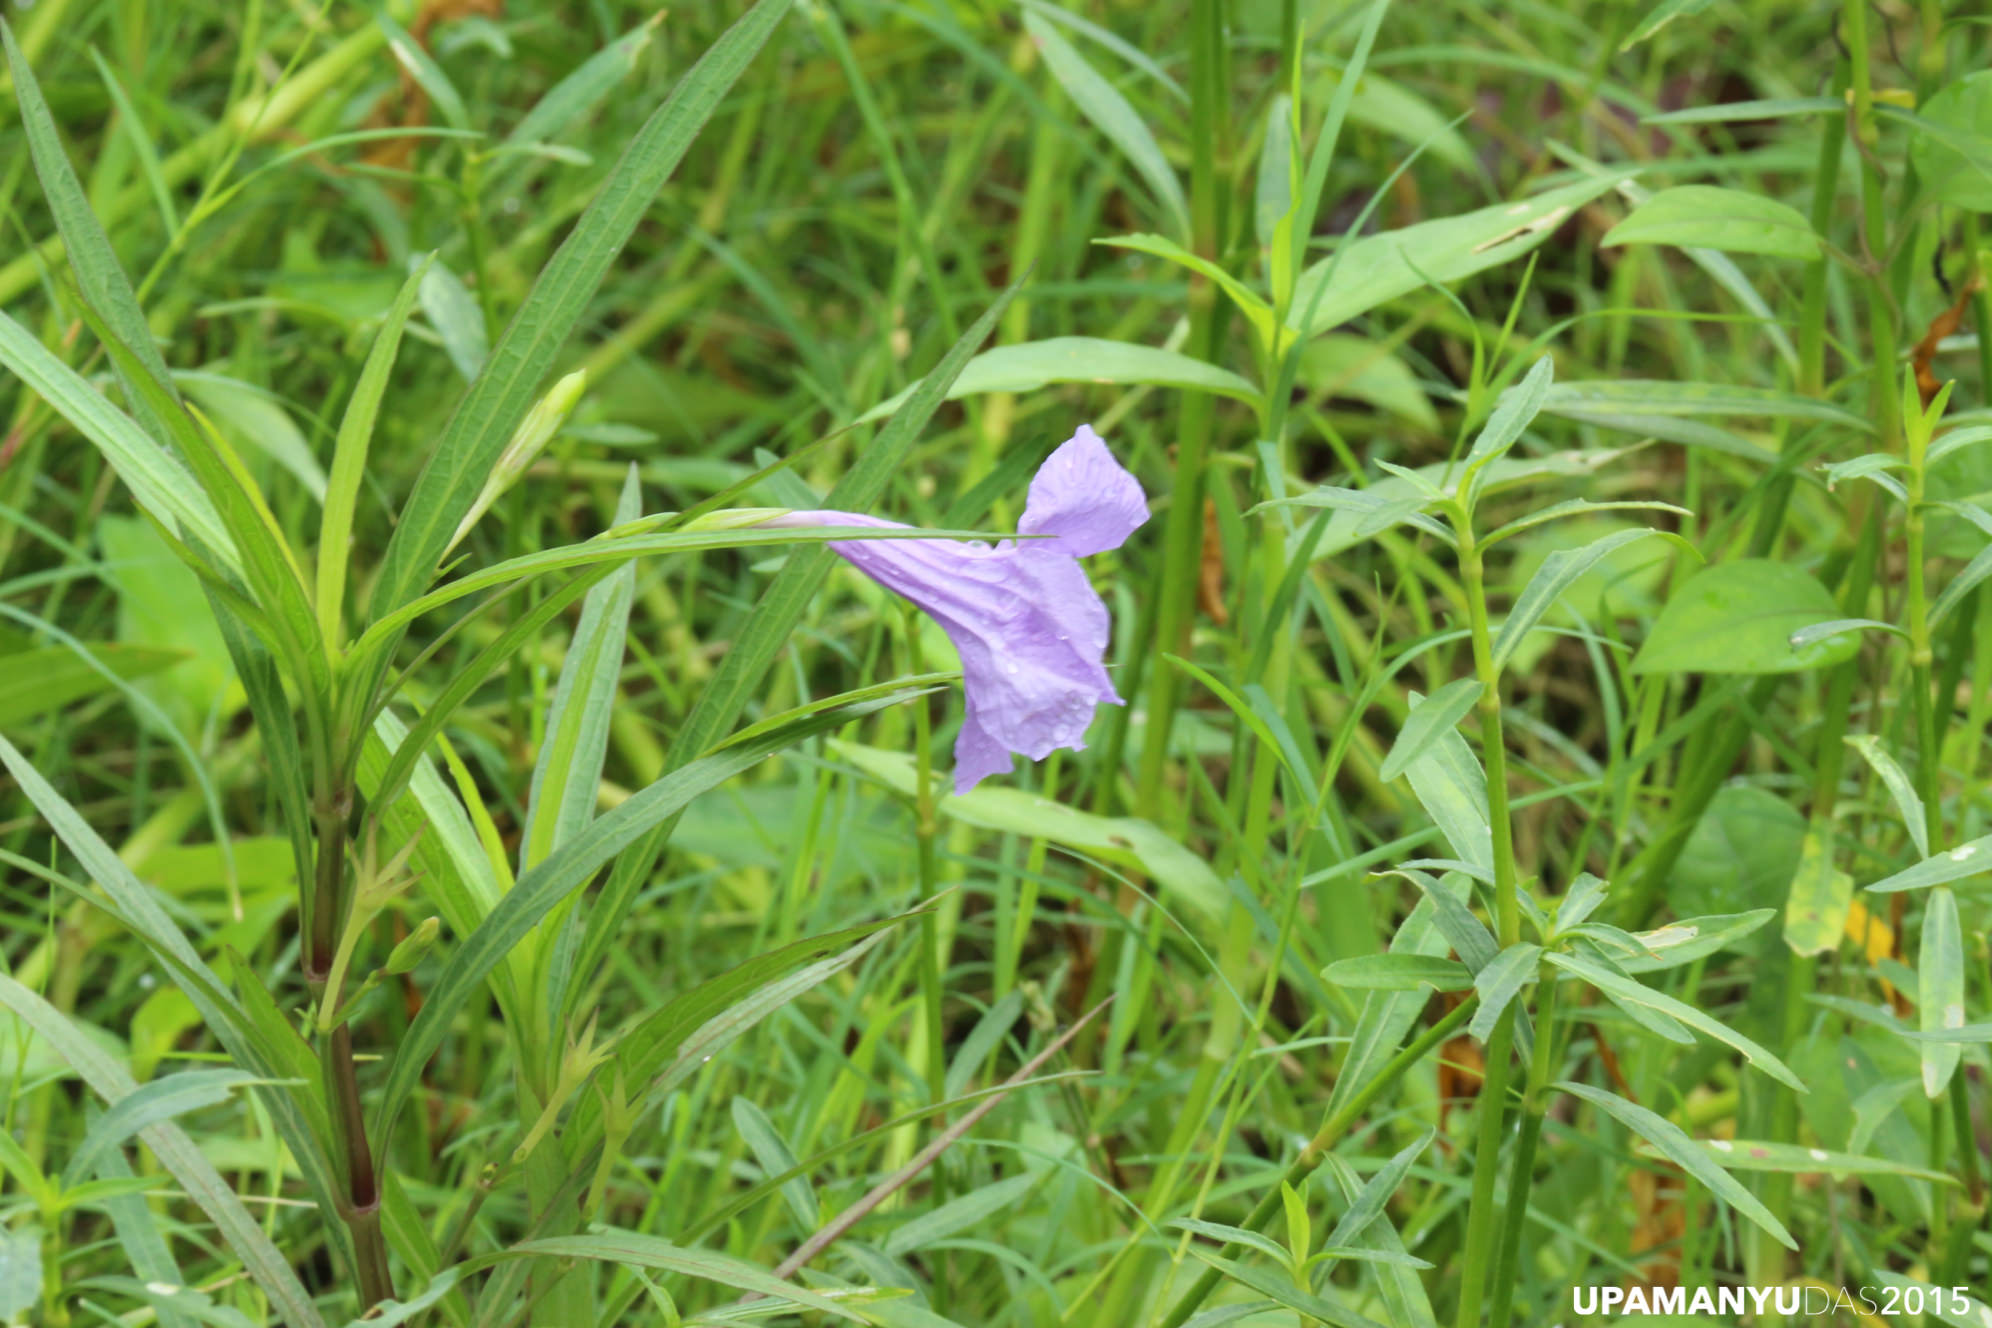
<point x="359" y="1199"/>
<point x="1481" y="1215"/>
<point x="1182" y="548"/>
<point x="1521" y="1176"/>
<point x="1321" y="1145"/>
<point x="1874" y="226"/>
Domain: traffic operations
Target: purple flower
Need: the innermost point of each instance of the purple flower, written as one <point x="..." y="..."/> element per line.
<point x="1029" y="627"/>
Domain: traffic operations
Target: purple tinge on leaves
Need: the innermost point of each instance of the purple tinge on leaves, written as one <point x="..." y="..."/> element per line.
<point x="1030" y="628"/>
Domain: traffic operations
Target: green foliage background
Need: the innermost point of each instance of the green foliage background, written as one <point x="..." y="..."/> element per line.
<point x="1567" y="432"/>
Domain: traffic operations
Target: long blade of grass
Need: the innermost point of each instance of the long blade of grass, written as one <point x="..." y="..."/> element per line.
<point x="349" y="460"/>
<point x="495" y="403"/>
<point x="159" y="483"/>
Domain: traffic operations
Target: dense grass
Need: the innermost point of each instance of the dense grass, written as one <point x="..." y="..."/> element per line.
<point x="407" y="903"/>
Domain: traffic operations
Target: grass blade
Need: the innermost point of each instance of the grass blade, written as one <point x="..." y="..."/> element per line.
<point x="495" y="403"/>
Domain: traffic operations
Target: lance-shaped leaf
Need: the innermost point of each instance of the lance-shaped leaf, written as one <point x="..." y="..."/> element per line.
<point x="1674" y="1144"/>
<point x="504" y="390"/>
<point x="1940" y="989"/>
<point x="1618" y="985"/>
<point x="1102" y="103"/>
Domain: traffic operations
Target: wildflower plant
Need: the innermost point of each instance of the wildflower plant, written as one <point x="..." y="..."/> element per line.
<point x="1503" y="678"/>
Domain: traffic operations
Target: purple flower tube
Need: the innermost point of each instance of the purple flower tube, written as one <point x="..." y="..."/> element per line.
<point x="1030" y="629"/>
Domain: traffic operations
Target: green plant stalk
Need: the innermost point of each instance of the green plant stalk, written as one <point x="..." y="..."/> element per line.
<point x="1521" y="1177"/>
<point x="932" y="963"/>
<point x="1182" y="541"/>
<point x="1874" y="227"/>
<point x="1493" y="1100"/>
<point x="1321" y="1145"/>
<point x="359" y="1200"/>
<point x="1812" y="303"/>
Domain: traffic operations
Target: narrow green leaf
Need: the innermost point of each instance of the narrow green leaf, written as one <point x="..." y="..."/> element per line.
<point x="1386" y="1017"/>
<point x="491" y="409"/>
<point x="148" y="1104"/>
<point x="1452" y="788"/>
<point x="1731" y="220"/>
<point x="1690" y="939"/>
<point x="1272" y="192"/>
<point x="425" y="71"/>
<point x="1429" y="720"/>
<point x="349" y="460"/>
<point x="1642" y="400"/>
<point x="1498" y="981"/>
<point x="1559" y="571"/>
<point x="576" y="95"/>
<point x="1281" y="1288"/>
<point x="1030" y="365"/>
<point x="1811" y="635"/>
<point x="158" y="481"/>
<point x="268" y="564"/>
<point x="99" y="275"/>
<point x="1659" y="17"/>
<point x="1376" y="269"/>
<point x="691" y="1019"/>
<point x="1368" y="1205"/>
<point x="20" y="1269"/>
<point x="1768" y="108"/>
<point x="1674" y="1144"/>
<point x="1957" y="864"/>
<point x="1765" y="1155"/>
<point x="641" y="1251"/>
<point x="567" y="776"/>
<point x="1940" y="988"/>
<point x="1896" y="779"/>
<point x="775" y="1157"/>
<point x="1605" y="980"/>
<point x="1250" y="303"/>
<point x="454" y="313"/>
<point x="1183" y="875"/>
<point x="1399" y="972"/>
<point x="1574" y="507"/>
<point x="1518" y="406"/>
<point x="1974" y="574"/>
<point x="959" y="1214"/>
<point x="1102" y="103"/>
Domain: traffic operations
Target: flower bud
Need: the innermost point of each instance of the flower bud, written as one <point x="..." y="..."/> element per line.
<point x="414" y="947"/>
<point x="542" y="422"/>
